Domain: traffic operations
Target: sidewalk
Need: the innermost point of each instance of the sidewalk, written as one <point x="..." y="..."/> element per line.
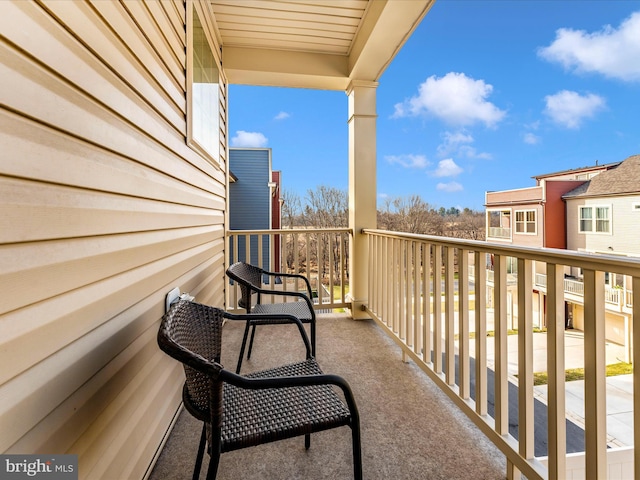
<point x="619" y="388"/>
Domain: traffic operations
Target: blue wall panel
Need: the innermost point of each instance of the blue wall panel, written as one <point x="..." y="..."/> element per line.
<point x="250" y="200"/>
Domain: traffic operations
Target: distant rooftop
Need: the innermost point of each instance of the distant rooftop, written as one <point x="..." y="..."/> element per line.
<point x="622" y="178"/>
<point x="596" y="167"/>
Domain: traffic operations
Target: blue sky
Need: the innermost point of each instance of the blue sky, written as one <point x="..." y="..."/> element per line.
<point x="483" y="96"/>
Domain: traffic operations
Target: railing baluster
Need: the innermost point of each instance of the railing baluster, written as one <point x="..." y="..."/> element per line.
<point x="426" y="303"/>
<point x="331" y="267"/>
<point x="408" y="289"/>
<point x="394" y="285"/>
<point x="437" y="309"/>
<point x="500" y="345"/>
<point x="319" y="260"/>
<point x="463" y="322"/>
<point x="556" y="398"/>
<point x="402" y="277"/>
<point x="343" y="267"/>
<point x="417" y="332"/>
<point x="389" y="283"/>
<point x="480" y="297"/>
<point x="595" y="408"/>
<point x="449" y="313"/>
<point x="525" y="359"/>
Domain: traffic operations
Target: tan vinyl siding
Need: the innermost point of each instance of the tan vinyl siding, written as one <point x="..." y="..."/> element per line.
<point x="104" y="208"/>
<point x="623" y="224"/>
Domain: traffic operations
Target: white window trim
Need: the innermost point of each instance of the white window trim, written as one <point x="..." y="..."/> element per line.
<point x="515" y="222"/>
<point x="594" y="220"/>
<point x="212" y="157"/>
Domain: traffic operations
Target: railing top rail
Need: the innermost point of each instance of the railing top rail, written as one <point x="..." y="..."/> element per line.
<point x="289" y="230"/>
<point x="603" y="262"/>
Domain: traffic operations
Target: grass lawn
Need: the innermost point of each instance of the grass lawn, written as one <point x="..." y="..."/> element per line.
<point x="572" y="374"/>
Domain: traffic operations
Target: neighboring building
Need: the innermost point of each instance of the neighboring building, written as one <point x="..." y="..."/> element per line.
<point x="254" y="203"/>
<point x="540" y="216"/>
<point x="603" y="215"/>
<point x="535" y="216"/>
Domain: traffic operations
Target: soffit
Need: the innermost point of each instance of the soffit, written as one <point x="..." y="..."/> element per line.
<point x="312" y="43"/>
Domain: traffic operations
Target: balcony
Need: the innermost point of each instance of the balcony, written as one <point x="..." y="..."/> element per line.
<point x="410" y="429"/>
<point x="451" y="369"/>
<point x="619" y="299"/>
<point x="499" y="232"/>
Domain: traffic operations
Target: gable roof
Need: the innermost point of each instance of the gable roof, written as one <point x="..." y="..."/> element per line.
<point x="623" y="179"/>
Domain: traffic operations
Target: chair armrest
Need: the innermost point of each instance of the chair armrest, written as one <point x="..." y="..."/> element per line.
<point x="273" y="318"/>
<point x="284" y="293"/>
<point x="292" y="275"/>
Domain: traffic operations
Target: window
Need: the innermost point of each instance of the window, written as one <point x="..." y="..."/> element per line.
<point x="586" y="220"/>
<point x="203" y="92"/>
<point x="526" y="221"/>
<point x="602" y="219"/>
<point x="595" y="219"/>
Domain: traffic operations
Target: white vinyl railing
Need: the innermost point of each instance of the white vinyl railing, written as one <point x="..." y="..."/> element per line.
<point x="319" y="254"/>
<point x="612" y="295"/>
<point x="402" y="268"/>
<point x="499" y="232"/>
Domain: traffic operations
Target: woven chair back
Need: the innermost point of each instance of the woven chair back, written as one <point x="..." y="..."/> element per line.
<point x="192" y="333"/>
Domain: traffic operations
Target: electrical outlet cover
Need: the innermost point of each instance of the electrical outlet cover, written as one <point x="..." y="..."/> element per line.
<point x="171" y="298"/>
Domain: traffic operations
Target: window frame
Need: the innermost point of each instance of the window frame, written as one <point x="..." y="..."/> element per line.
<point x="525" y="222"/>
<point x="214" y="157"/>
<point x="593" y="209"/>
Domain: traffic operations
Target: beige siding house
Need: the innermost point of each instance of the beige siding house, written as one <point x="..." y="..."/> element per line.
<point x="602" y="219"/>
<point x="113" y="190"/>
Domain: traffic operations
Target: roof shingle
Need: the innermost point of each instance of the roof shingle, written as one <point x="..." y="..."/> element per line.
<point x="625" y="178"/>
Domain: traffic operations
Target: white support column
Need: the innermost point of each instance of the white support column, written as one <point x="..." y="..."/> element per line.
<point x="362" y="187"/>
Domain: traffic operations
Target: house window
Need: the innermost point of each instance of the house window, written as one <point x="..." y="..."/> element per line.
<point x="526" y="221"/>
<point x="203" y="92"/>
<point x="595" y="219"/>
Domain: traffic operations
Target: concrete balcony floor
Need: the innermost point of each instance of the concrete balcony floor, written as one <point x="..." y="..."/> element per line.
<point x="410" y="429"/>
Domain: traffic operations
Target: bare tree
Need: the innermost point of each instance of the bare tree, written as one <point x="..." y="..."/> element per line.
<point x="291" y="208"/>
<point x="326" y="208"/>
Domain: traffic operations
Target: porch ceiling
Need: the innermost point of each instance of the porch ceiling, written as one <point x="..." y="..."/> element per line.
<point x="323" y="44"/>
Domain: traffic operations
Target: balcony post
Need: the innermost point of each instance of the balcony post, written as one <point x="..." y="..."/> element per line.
<point x="362" y="187"/>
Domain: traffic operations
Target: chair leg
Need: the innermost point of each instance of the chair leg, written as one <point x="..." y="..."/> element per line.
<point x="214" y="461"/>
<point x="253" y="334"/>
<point x="242" y="347"/>
<point x="307" y="441"/>
<point x="357" y="451"/>
<point x="313" y="339"/>
<point x="203" y="442"/>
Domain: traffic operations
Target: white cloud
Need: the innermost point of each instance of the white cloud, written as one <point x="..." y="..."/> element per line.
<point x="447" y="168"/>
<point x="249" y="140"/>
<point x="458" y="144"/>
<point x="282" y="116"/>
<point x="611" y="52"/>
<point x="452" y="141"/>
<point x="408" y="161"/>
<point x="570" y="109"/>
<point x="455" y="98"/>
<point x="531" y="139"/>
<point x="449" y="187"/>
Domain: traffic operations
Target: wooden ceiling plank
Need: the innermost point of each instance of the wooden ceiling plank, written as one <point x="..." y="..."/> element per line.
<point x="223" y="19"/>
<point x="317" y="8"/>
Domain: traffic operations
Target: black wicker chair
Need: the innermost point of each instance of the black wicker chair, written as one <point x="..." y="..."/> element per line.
<point x="243" y="411"/>
<point x="250" y="278"/>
